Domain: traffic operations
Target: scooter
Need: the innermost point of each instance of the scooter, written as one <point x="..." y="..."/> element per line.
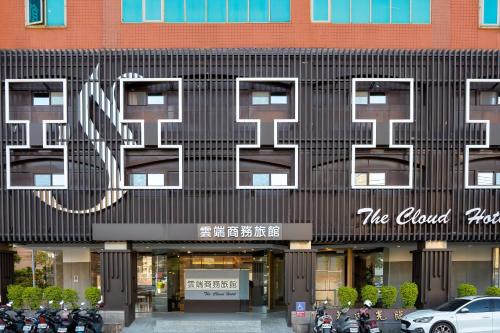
<point x="323" y="323"/>
<point x="365" y="324"/>
<point x="345" y="324"/>
<point x="88" y="319"/>
<point x="11" y="321"/>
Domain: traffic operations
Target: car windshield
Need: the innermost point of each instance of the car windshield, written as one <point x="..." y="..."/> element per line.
<point x="452" y="305"/>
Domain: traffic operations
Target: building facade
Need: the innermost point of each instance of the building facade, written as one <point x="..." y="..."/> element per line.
<point x="247" y="179"/>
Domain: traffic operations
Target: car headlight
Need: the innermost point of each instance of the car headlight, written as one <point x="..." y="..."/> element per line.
<point x="423" y="320"/>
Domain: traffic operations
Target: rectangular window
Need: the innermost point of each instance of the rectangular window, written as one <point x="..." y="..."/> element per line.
<point x="43" y="180"/>
<point x="280" y="10"/>
<point x="373" y="11"/>
<point x="488" y="98"/>
<point x="58" y="180"/>
<point x="174" y="11"/>
<point x="156" y="179"/>
<point x="341" y="11"/>
<point x="153" y="11"/>
<point x="41" y="99"/>
<point x="360" y="12"/>
<point x="421" y="11"/>
<point x="376" y="179"/>
<point x="260" y="179"/>
<point x="361" y="179"/>
<point x="378" y="98"/>
<point x="132" y="11"/>
<point x="490" y="12"/>
<point x="46" y="12"/>
<point x="237" y="11"/>
<point x="279" y="179"/>
<point x="497" y="180"/>
<point x="195" y="11"/>
<point x="260" y="98"/>
<point x="137" y="98"/>
<point x="259" y="10"/>
<point x="138" y="179"/>
<point x="279" y="99"/>
<point x="156" y="99"/>
<point x="320" y="10"/>
<point x="216" y="11"/>
<point x="56" y="98"/>
<point x="485" y="178"/>
<point x="381" y="11"/>
<point x="361" y="97"/>
<point x="401" y="11"/>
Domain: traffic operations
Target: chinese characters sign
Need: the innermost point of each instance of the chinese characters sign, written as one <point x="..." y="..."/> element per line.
<point x="212" y="284"/>
<point x="239" y="232"/>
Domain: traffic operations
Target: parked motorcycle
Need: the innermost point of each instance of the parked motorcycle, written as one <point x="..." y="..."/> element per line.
<point x="323" y="323"/>
<point x="346" y="324"/>
<point x="11" y="321"/>
<point x="365" y="324"/>
<point x="88" y="320"/>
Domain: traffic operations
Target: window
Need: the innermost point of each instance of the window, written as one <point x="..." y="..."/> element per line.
<point x="49" y="179"/>
<point x="48" y="98"/>
<point x="260" y="98"/>
<point x="376" y="179"/>
<point x="480" y="306"/>
<point x="273" y="179"/>
<point x="50" y="13"/>
<point x="265" y="98"/>
<point x="136" y="98"/>
<point x="205" y="11"/>
<point x="260" y="179"/>
<point x="361" y="179"/>
<point x="363" y="98"/>
<point x="489" y="12"/>
<point x="156" y="99"/>
<point x="372" y="179"/>
<point x="485" y="178"/>
<point x="150" y="179"/>
<point x="372" y="11"/>
<point x="489" y="98"/>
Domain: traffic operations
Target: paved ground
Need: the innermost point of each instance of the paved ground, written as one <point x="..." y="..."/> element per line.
<point x="273" y="322"/>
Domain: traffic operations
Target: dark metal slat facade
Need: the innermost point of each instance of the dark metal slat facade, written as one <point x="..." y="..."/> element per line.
<point x="209" y="135"/>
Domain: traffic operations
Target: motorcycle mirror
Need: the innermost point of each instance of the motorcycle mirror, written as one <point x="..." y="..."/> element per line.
<point x="10" y="304"/>
<point x="349" y="303"/>
<point x="325" y="302"/>
<point x="50" y="302"/>
<point x="41" y="307"/>
<point x="61" y="303"/>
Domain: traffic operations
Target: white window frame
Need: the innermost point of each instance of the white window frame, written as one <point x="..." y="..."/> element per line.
<point x="486" y="145"/>
<point x="276" y="122"/>
<point x="481" y="16"/>
<point x="162" y="18"/>
<point x="373" y="123"/>
<point x="27" y="123"/>
<point x="141" y="145"/>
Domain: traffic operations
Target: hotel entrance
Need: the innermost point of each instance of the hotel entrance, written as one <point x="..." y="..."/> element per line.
<point x="216" y="282"/>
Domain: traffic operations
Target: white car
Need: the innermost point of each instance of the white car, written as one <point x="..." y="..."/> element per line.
<point x="474" y="314"/>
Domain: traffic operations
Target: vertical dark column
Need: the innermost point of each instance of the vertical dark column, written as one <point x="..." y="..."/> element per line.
<point x="6" y="272"/>
<point x="431" y="272"/>
<point x="300" y="270"/>
<point x="119" y="282"/>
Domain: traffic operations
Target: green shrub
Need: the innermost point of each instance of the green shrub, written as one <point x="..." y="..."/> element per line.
<point x="70" y="298"/>
<point x="347" y="295"/>
<point x="369" y="292"/>
<point x="388" y="296"/>
<point x="93" y="295"/>
<point x="492" y="291"/>
<point x="32" y="297"/>
<point x="409" y="294"/>
<point x="15" y="295"/>
<point x="465" y="289"/>
<point x="53" y="294"/>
